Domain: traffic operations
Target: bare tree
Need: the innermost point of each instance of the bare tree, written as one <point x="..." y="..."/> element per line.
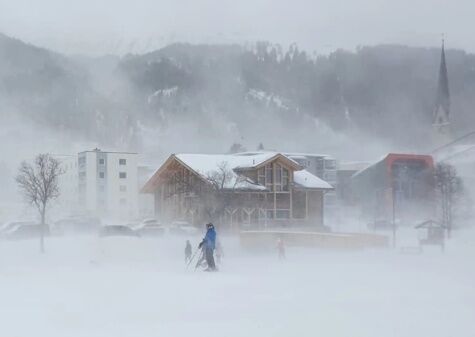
<point x="212" y="191"/>
<point x="39" y="185"/>
<point x="449" y="186"/>
<point x="223" y="182"/>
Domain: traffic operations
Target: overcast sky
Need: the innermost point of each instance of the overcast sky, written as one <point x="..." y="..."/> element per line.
<point x="118" y="26"/>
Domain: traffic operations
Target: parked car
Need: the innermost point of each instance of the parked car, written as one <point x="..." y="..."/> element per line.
<point x="26" y="231"/>
<point x="77" y="224"/>
<point x="382" y="224"/>
<point x="117" y="230"/>
<point x="9" y="225"/>
<point x="151" y="227"/>
<point x="149" y="221"/>
<point x="183" y="228"/>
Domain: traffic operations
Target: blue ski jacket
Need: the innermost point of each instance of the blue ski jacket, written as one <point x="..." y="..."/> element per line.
<point x="210" y="238"/>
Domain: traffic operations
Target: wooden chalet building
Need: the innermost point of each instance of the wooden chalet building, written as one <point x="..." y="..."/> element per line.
<point x="249" y="190"/>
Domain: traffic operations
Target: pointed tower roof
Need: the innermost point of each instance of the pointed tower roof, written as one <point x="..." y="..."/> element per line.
<point x="442" y="101"/>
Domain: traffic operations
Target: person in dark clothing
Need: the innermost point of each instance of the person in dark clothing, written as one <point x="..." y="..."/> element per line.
<point x="209" y="244"/>
<point x="187" y="251"/>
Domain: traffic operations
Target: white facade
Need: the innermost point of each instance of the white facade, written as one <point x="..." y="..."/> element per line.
<point x="67" y="202"/>
<point x="108" y="183"/>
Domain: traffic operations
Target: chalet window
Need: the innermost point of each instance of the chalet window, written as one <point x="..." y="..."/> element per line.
<point x="278" y="177"/>
<point x="122" y="161"/>
<point x="282" y="214"/>
<point x="261" y="176"/>
<point x="281" y="178"/>
<point x="285" y="179"/>
<point x="269" y="177"/>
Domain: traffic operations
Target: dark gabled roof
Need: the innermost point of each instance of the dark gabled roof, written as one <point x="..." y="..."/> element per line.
<point x="429" y="224"/>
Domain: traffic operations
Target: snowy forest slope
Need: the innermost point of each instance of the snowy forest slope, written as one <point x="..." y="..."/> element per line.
<point x="253" y="94"/>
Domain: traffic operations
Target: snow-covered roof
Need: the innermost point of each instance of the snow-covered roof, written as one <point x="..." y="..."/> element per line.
<point x="307" y="155"/>
<point x="405" y="156"/>
<point x="210" y="168"/>
<point x="305" y="179"/>
<point x="353" y="166"/>
<point x="204" y="163"/>
<point x="208" y="164"/>
<point x="458" y="154"/>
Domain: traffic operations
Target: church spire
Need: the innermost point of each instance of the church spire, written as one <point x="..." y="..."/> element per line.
<point x="441" y="113"/>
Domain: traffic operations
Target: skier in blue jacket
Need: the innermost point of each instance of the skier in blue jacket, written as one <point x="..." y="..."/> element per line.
<point x="209" y="243"/>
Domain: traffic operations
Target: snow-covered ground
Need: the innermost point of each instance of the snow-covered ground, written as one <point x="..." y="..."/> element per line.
<point x="87" y="286"/>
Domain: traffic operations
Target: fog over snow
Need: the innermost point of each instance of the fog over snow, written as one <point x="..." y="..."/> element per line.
<point x="136" y="287"/>
<point x="304" y="130"/>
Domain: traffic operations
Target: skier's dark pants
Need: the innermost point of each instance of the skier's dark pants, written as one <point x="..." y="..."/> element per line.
<point x="210" y="258"/>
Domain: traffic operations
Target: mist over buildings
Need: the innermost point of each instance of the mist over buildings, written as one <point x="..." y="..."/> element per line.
<point x="322" y="151"/>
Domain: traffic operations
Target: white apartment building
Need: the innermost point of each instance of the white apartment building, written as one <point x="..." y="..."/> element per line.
<point x="108" y="183"/>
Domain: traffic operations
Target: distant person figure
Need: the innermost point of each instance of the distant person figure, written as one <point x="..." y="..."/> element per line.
<point x="209" y="244"/>
<point x="219" y="252"/>
<point x="280" y="249"/>
<point x="187" y="251"/>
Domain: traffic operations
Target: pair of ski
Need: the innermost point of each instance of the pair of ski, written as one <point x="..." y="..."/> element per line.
<point x="199" y="262"/>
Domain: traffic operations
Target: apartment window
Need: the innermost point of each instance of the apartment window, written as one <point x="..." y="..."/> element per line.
<point x="330" y="164"/>
<point x="101" y="174"/>
<point x="123" y="201"/>
<point x="101" y="188"/>
<point x="319" y="164"/>
<point x="122" y="175"/>
<point x="81" y="161"/>
<point x="101" y="161"/>
<point x="122" y="161"/>
<point x="123" y="188"/>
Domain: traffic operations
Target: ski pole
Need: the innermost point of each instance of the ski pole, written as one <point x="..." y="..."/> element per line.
<point x="192" y="258"/>
<point x="200" y="260"/>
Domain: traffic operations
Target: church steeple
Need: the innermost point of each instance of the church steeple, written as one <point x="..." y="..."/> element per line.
<point x="441" y="113"/>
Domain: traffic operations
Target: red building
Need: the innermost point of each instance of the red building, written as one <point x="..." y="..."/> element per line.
<point x="399" y="185"/>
